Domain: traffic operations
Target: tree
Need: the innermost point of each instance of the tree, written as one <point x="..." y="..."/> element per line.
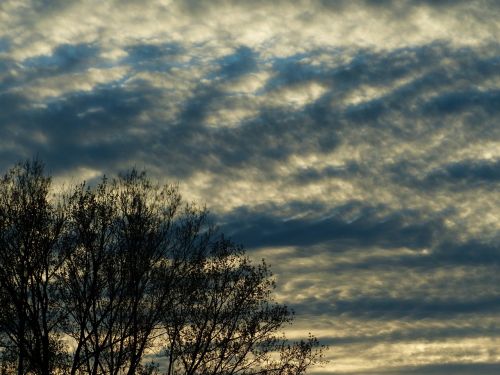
<point x="230" y="323"/>
<point x="31" y="228"/>
<point x="93" y="280"/>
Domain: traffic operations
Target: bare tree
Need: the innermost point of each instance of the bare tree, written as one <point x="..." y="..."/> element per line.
<point x="92" y="281"/>
<point x="132" y="240"/>
<point x="30" y="257"/>
<point x="230" y="324"/>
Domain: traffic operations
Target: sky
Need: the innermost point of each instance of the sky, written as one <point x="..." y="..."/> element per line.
<point x="355" y="145"/>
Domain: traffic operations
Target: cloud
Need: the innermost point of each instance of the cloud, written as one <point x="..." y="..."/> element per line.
<point x="65" y="58"/>
<point x="353" y="223"/>
<point x="353" y="144"/>
<point x="450" y="368"/>
<point x="242" y="61"/>
<point x="426" y="334"/>
<point x="468" y="172"/>
<point x="416" y="309"/>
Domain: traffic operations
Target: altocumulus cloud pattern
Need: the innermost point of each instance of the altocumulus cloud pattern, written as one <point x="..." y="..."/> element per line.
<point x="353" y="144"/>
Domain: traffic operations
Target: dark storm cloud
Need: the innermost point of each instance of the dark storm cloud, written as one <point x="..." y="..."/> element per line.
<point x="66" y="58"/>
<point x="421" y="333"/>
<point x="408" y="308"/>
<point x="242" y="61"/>
<point x="87" y="128"/>
<point x="273" y="134"/>
<point x="470" y="172"/>
<point x="366" y="66"/>
<point x="424" y="71"/>
<point x="452" y="102"/>
<point x="464" y="175"/>
<point x="153" y="57"/>
<point x="435" y="369"/>
<point x="362" y="227"/>
<point x="310" y="174"/>
<point x="471" y="252"/>
<point x="4" y="45"/>
<point x="49" y="6"/>
<point x="140" y="53"/>
<point x="423" y="68"/>
<point x="439" y="254"/>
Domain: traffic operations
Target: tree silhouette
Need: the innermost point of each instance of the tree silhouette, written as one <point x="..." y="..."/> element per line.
<point x="94" y="280"/>
<point x="31" y="230"/>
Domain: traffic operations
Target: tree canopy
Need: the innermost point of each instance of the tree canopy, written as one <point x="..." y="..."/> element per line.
<point x="125" y="277"/>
